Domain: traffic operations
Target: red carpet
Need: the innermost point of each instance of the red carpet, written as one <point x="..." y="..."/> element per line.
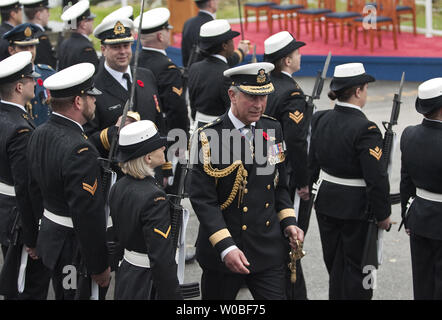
<point x="408" y="44"/>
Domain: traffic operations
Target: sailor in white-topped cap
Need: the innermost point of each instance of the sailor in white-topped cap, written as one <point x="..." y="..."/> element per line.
<point x="209" y="99"/>
<point x="16" y="126"/>
<point x="37" y="12"/>
<point x="78" y="48"/>
<point x="126" y="12"/>
<point x="345" y="154"/>
<point x="155" y="38"/>
<point x="421" y="191"/>
<point x="141" y="217"/>
<point x="67" y="175"/>
<point x="240" y="239"/>
<point x="11" y="14"/>
<point x="288" y="105"/>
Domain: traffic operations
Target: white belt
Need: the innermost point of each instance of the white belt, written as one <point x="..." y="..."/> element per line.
<point x="137" y="259"/>
<point x="201" y="117"/>
<point x="427" y="195"/>
<point x="66" y="221"/>
<point x="343" y="181"/>
<point x="7" y="190"/>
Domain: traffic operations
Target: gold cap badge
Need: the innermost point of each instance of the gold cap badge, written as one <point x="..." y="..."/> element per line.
<point x="261" y="76"/>
<point x="28" y="32"/>
<point x="119" y="28"/>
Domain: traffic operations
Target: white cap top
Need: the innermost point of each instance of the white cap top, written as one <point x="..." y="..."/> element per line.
<point x="110" y="24"/>
<point x="430" y="89"/>
<point x="5" y="3"/>
<point x="14" y="63"/>
<point x="75" y="11"/>
<point x="69" y="77"/>
<point x="137" y="132"/>
<point x="251" y="69"/>
<point x="349" y="70"/>
<point x="214" y="28"/>
<point x="153" y="18"/>
<point x="277" y="42"/>
<point x="123" y="13"/>
<point x="28" y="2"/>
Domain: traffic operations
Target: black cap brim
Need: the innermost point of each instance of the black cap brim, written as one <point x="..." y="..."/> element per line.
<point x="126" y="153"/>
<point x="425" y="106"/>
<point x="206" y="43"/>
<point x="349" y="82"/>
<point x="288" y="49"/>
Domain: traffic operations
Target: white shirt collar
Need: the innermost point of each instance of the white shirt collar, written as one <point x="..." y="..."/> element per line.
<point x="236" y="122"/>
<point x="287" y="74"/>
<point x="155" y="49"/>
<point x="119" y="75"/>
<point x="213" y="15"/>
<point x="14" y="104"/>
<point x="440" y="121"/>
<point x="86" y="36"/>
<point x="40" y="26"/>
<point x="62" y="116"/>
<point x="220" y="57"/>
<point x="348" y="105"/>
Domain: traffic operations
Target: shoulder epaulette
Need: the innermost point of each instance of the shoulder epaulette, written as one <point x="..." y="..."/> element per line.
<point x="211" y="124"/>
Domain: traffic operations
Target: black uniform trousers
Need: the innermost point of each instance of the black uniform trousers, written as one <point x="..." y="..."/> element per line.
<point x="342" y="246"/>
<point x="426" y="263"/>
<point x="264" y="285"/>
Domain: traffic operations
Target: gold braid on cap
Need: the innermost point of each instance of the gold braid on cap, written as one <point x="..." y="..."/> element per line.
<point x="241" y="175"/>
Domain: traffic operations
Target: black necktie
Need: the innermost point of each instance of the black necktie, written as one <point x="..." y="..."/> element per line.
<point x="129" y="83"/>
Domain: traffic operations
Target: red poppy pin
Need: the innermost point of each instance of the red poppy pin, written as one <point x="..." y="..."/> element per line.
<point x="265" y="135"/>
<point x="40" y="82"/>
<point x="140" y="83"/>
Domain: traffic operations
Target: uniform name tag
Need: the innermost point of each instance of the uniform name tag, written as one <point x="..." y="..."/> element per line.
<point x="275" y="153"/>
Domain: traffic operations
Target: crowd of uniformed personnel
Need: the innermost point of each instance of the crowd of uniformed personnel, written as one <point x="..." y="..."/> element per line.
<point x="61" y="110"/>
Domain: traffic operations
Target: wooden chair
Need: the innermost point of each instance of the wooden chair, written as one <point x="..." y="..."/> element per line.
<point x="406" y="7"/>
<point x="343" y="19"/>
<point x="288" y="11"/>
<point x="313" y="15"/>
<point x="385" y="17"/>
<point x="257" y="8"/>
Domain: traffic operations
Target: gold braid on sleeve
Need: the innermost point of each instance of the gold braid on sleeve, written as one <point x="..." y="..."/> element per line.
<point x="241" y="175"/>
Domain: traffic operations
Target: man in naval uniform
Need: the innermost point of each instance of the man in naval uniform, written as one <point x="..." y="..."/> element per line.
<point x="207" y="85"/>
<point x="115" y="79"/>
<point x="345" y="153"/>
<point x="12" y="15"/>
<point x="155" y="38"/>
<point x="37" y="12"/>
<point x="66" y="178"/>
<point x="16" y="126"/>
<point x="288" y="105"/>
<point x="78" y="48"/>
<point x="23" y="38"/>
<point x="421" y="189"/>
<point x="240" y="194"/>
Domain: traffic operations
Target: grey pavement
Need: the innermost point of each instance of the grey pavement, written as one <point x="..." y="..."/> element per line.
<point x="393" y="281"/>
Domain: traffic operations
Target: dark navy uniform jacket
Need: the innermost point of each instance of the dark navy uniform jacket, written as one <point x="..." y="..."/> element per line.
<point x="76" y="49"/>
<point x="422" y="168"/>
<point x="208" y="87"/>
<point x="288" y="105"/>
<point x="66" y="177"/>
<point x="345" y="144"/>
<point x="38" y="107"/>
<point x="45" y="52"/>
<point x="170" y="87"/>
<point x="141" y="218"/>
<point x="255" y="224"/>
<point x="15" y="130"/>
<point x="4" y="44"/>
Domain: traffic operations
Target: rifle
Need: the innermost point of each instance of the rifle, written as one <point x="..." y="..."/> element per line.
<point x="188" y="290"/>
<point x="316" y="94"/>
<point x="11" y="265"/>
<point x="371" y="251"/>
